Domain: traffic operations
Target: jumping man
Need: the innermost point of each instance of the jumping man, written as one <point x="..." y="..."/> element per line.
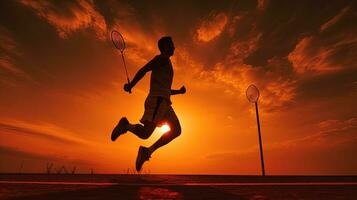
<point x="157" y="104"/>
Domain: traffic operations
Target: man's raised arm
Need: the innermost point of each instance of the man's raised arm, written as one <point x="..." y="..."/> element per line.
<point x="139" y="75"/>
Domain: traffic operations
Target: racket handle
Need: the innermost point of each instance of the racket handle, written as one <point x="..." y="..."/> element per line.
<point x="129" y="84"/>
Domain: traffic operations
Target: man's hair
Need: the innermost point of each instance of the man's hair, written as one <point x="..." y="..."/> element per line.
<point x="164" y="42"/>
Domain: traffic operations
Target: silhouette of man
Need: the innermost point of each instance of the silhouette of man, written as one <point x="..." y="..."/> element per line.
<point x="157" y="104"/>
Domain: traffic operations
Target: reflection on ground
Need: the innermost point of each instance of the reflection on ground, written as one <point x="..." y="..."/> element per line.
<point x="158" y="193"/>
<point x="40" y="186"/>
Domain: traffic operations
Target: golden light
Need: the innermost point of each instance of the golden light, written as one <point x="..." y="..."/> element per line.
<point x="164" y="128"/>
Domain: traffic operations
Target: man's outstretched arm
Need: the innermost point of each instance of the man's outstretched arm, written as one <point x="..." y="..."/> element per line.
<point x="182" y="90"/>
<point x="139" y="75"/>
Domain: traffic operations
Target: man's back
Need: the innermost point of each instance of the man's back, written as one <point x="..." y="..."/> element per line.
<point x="161" y="76"/>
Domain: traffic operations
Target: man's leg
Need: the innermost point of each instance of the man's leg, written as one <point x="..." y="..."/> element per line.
<point x="139" y="130"/>
<point x="143" y="132"/>
<point x="175" y="131"/>
<point x="144" y="153"/>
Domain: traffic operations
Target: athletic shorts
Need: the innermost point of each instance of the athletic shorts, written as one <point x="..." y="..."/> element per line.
<point x="158" y="110"/>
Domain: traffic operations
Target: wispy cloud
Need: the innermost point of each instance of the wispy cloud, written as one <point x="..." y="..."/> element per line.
<point x="10" y="53"/>
<point x="41" y="130"/>
<point x="69" y="17"/>
<point x="211" y="27"/>
<point x="40" y="142"/>
<point x="82" y="14"/>
<point x="279" y="64"/>
<point x="335" y="126"/>
<point x="327" y="51"/>
<point x="7" y="64"/>
<point x="305" y="59"/>
<point x="330" y="133"/>
<point x="262" y="4"/>
<point x="334" y="20"/>
<point x="274" y="80"/>
<point x="313" y="56"/>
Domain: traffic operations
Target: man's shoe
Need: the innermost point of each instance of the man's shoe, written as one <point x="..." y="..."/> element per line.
<point x="143" y="155"/>
<point x="120" y="129"/>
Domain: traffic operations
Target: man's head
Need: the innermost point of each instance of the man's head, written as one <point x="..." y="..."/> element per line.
<point x="166" y="45"/>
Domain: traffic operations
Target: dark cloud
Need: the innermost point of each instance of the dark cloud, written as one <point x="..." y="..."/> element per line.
<point x="64" y="45"/>
<point x="113" y="10"/>
<point x="328" y="86"/>
<point x="283" y="39"/>
<point x="297" y="52"/>
<point x="284" y="23"/>
<point x="10" y="54"/>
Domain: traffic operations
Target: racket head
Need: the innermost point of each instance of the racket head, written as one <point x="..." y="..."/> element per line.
<point x="252" y="93"/>
<point x="117" y="40"/>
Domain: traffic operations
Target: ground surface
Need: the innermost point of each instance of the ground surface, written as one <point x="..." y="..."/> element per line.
<point x="38" y="186"/>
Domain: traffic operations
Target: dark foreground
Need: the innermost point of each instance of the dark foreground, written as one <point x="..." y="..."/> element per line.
<point x="39" y="186"/>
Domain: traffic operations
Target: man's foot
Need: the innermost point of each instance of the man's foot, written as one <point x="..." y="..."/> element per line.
<point x="120" y="129"/>
<point x="143" y="155"/>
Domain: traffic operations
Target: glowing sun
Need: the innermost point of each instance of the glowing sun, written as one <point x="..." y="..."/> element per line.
<point x="164" y="128"/>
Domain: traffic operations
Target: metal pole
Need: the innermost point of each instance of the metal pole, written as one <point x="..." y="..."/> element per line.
<point x="260" y="140"/>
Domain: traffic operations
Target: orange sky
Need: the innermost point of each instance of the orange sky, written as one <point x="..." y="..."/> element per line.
<point x="61" y="85"/>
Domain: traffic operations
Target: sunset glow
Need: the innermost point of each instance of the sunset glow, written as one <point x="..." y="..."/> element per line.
<point x="164" y="129"/>
<point x="61" y="85"/>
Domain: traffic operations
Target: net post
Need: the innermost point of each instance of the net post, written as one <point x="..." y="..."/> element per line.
<point x="260" y="140"/>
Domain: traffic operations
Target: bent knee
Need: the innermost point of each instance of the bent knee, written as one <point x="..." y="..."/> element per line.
<point x="148" y="132"/>
<point x="176" y="130"/>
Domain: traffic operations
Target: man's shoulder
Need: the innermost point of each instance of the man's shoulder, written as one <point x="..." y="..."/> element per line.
<point x="161" y="58"/>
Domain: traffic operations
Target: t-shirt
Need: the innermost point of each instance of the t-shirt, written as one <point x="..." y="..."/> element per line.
<point x="161" y="76"/>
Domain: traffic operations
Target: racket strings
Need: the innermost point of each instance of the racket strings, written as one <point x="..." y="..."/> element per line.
<point x="118" y="40"/>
